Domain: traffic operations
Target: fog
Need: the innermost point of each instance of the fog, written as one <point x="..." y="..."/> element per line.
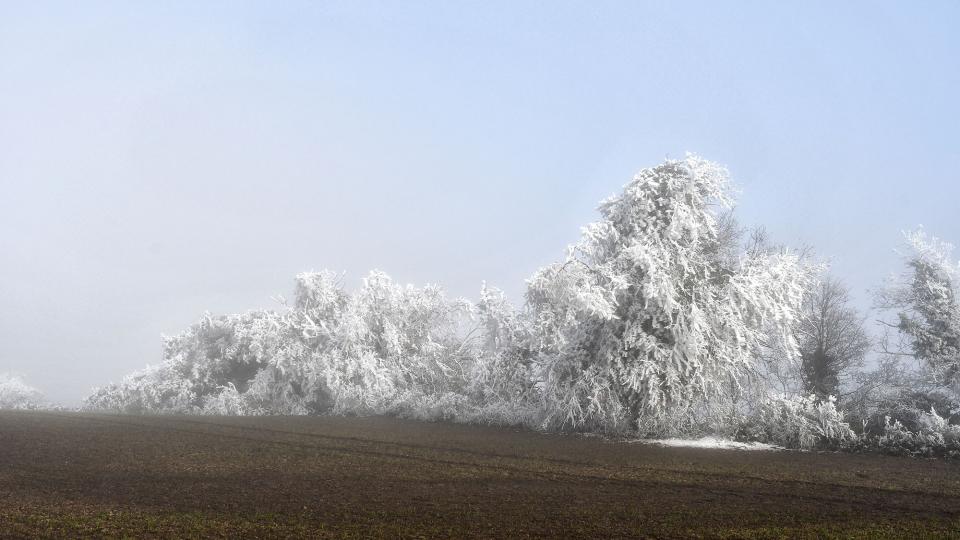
<point x="161" y="161"/>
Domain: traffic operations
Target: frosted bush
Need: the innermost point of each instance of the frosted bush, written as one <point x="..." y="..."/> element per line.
<point x="155" y="389"/>
<point x="934" y="437"/>
<point x="797" y="422"/>
<point x="227" y="402"/>
<point x="214" y="353"/>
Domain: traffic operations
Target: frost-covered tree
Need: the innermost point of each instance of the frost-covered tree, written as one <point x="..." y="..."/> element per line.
<point x="643" y="324"/>
<point x="502" y="386"/>
<point x="924" y="299"/>
<point x="16" y="394"/>
<point x="214" y="354"/>
<point x="389" y="348"/>
<point x="919" y="370"/>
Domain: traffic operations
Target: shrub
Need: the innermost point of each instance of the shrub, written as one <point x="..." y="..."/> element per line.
<point x="797" y="422"/>
<point x="933" y="437"/>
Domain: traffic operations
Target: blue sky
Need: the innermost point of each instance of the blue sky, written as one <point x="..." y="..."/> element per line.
<point x="162" y="159"/>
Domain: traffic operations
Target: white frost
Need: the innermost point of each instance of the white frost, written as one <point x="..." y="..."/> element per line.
<point x="709" y="442"/>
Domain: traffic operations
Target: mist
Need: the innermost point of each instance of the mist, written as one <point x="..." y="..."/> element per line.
<point x="163" y="161"/>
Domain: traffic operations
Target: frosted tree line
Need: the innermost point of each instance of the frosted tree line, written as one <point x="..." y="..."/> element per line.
<point x="664" y="319"/>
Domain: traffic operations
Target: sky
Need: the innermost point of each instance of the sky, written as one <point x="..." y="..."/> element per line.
<point x="163" y="159"/>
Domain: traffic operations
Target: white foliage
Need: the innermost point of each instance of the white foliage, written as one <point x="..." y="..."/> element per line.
<point x="797" y="422"/>
<point x="934" y="437"/>
<point x="213" y="353"/>
<point x="227" y="402"/>
<point x="16" y="394"/>
<point x="650" y="323"/>
<point x="381" y="350"/>
<point x="642" y="323"/>
<point x="925" y="301"/>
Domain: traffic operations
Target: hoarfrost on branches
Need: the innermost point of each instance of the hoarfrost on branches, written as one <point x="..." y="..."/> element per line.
<point x="924" y="300"/>
<point x="650" y="324"/>
<point x="642" y="326"/>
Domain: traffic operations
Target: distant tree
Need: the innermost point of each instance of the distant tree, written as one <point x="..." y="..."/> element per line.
<point x="831" y="338"/>
<point x="16" y="394"/>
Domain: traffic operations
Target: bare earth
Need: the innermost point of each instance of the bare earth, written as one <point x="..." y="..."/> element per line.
<point x="70" y="475"/>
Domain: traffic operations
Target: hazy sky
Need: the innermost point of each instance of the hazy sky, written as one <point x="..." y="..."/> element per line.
<point x="160" y="159"/>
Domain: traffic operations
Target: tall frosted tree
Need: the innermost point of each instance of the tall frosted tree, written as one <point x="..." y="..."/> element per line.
<point x="643" y="325"/>
<point x="924" y="299"/>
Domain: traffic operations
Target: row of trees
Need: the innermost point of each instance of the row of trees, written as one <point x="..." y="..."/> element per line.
<point x="662" y="319"/>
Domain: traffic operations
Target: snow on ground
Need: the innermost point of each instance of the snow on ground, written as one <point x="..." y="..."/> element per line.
<point x="710" y="442"/>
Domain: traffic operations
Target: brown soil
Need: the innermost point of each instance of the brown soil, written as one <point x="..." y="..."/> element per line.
<point x="70" y="475"/>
